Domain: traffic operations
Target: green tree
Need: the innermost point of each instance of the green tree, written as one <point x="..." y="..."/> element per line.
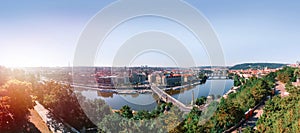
<point x="201" y="100"/>
<point x="282" y="114"/>
<point x="297" y="73"/>
<point x="62" y="101"/>
<point x="286" y="74"/>
<point x="191" y="122"/>
<point x="126" y="112"/>
<point x="142" y="115"/>
<point x="96" y="109"/>
<point x="237" y="81"/>
<point x="260" y="90"/>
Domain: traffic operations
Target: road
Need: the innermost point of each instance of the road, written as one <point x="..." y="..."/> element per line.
<point x="280" y="87"/>
<point x="35" y="119"/>
<point x="55" y="125"/>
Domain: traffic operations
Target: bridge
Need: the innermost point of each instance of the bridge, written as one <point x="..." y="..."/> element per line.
<point x="169" y="99"/>
<point x="218" y="74"/>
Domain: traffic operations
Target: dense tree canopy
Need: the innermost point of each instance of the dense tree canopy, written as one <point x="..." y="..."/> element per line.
<point x="15" y="100"/>
<point x="62" y="101"/>
<point x="230" y="110"/>
<point x="256" y="66"/>
<point x="282" y="114"/>
<point x="236" y="80"/>
<point x="159" y="120"/>
<point x="201" y="100"/>
<point x="286" y="75"/>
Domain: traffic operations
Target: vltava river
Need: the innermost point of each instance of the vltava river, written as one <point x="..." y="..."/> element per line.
<point x="148" y="101"/>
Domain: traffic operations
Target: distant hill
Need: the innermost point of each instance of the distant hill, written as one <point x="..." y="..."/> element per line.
<point x="208" y="67"/>
<point x="257" y="66"/>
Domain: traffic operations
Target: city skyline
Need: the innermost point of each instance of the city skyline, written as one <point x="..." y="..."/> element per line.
<point x="46" y="33"/>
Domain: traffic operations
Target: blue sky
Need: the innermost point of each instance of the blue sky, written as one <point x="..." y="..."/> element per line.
<point x="45" y="33"/>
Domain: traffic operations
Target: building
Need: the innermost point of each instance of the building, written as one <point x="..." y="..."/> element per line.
<point x="152" y="78"/>
<point x="187" y="78"/>
<point x="253" y="72"/>
<point x="119" y="81"/>
<point x="173" y="80"/>
<point x="138" y="78"/>
<point x="112" y="81"/>
<point x="105" y="81"/>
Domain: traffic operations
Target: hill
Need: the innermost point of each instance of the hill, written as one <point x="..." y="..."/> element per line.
<point x="256" y="66"/>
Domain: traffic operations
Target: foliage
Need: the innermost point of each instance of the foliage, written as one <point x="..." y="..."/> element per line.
<point x="62" y="101"/>
<point x="282" y="114"/>
<point x="230" y="110"/>
<point x="192" y="119"/>
<point x="297" y="73"/>
<point x="256" y="66"/>
<point x="271" y="78"/>
<point x="143" y="121"/>
<point x="236" y="80"/>
<point x="248" y="130"/>
<point x="15" y="101"/>
<point x="226" y="116"/>
<point x="286" y="75"/>
<point x="201" y="100"/>
<point x="96" y="109"/>
<point x="126" y="112"/>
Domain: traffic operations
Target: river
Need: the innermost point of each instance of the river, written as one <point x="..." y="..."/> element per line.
<point x="148" y="101"/>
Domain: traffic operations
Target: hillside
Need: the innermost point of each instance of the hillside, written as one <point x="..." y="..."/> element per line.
<point x="256" y="66"/>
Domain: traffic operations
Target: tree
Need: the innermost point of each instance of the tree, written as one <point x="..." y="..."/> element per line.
<point x="111" y="123"/>
<point x="282" y="114"/>
<point x="126" y="112"/>
<point x="191" y="122"/>
<point x="142" y="115"/>
<point x="297" y="74"/>
<point x="237" y="81"/>
<point x="286" y="74"/>
<point x="62" y="101"/>
<point x="226" y="116"/>
<point x="260" y="90"/>
<point x="6" y="118"/>
<point x="201" y="100"/>
<point x="15" y="101"/>
<point x="172" y="119"/>
<point x="96" y="109"/>
<point x="20" y="99"/>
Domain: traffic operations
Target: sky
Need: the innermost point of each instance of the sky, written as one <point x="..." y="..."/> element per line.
<point x="45" y="33"/>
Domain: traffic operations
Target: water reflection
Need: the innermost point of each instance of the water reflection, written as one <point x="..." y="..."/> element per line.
<point x="105" y="94"/>
<point x="211" y="87"/>
<point x="149" y="101"/>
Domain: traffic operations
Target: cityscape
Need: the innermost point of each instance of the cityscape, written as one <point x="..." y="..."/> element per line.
<point x="149" y="67"/>
<point x="182" y="89"/>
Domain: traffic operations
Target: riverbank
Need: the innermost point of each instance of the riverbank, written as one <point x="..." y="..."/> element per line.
<point x="182" y="86"/>
<point x="233" y="89"/>
<point x="147" y="101"/>
<point x="136" y="90"/>
<point x="143" y="91"/>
